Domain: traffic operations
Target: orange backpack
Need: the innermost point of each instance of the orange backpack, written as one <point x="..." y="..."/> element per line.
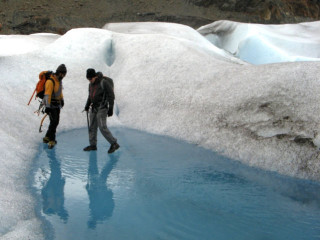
<point x="43" y="77"/>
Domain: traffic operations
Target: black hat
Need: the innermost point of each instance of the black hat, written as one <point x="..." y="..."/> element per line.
<point x="91" y="73"/>
<point x="61" y="69"/>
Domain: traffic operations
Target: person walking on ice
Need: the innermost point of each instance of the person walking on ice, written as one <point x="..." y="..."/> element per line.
<point x="100" y="106"/>
<point x="53" y="102"/>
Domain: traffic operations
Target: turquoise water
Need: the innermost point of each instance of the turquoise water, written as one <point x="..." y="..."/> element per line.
<point x="157" y="187"/>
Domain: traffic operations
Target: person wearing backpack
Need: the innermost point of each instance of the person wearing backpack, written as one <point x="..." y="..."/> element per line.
<point x="99" y="104"/>
<point x="53" y="102"/>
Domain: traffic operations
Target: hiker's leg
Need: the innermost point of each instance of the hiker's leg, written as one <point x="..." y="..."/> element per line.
<point x="93" y="127"/>
<point x="102" y="123"/>
<point x="54" y="122"/>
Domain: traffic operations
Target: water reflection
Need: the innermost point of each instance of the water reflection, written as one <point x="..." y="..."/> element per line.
<point x="184" y="192"/>
<point x="101" y="203"/>
<point x="53" y="191"/>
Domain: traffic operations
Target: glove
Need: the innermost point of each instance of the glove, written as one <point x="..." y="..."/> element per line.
<point x="62" y="103"/>
<point x="86" y="108"/>
<point x="110" y="111"/>
<point x="47" y="110"/>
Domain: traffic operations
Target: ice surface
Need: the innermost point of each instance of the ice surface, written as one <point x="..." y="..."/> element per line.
<point x="181" y="32"/>
<point x="168" y="80"/>
<point x="260" y="44"/>
<point x="19" y="44"/>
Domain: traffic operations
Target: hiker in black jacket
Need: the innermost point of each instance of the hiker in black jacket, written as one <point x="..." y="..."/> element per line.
<point x="100" y="106"/>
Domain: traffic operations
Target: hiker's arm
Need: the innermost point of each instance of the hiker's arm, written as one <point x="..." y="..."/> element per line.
<point x="61" y="100"/>
<point x="86" y="107"/>
<point x="48" y="93"/>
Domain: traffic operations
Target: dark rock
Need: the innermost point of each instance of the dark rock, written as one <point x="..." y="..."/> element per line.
<point x="202" y="3"/>
<point x="25" y="17"/>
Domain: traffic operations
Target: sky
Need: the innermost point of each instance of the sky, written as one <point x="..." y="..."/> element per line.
<point x="247" y="91"/>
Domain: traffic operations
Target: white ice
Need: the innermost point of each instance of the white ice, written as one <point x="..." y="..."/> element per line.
<point x="20" y="44"/>
<point x="169" y="80"/>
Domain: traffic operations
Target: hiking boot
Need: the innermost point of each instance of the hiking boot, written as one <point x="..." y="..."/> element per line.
<point x="90" y="148"/>
<point x="46" y="140"/>
<point x="51" y="144"/>
<point x="113" y="147"/>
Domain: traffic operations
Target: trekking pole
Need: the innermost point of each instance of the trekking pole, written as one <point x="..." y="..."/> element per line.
<point x="42" y="122"/>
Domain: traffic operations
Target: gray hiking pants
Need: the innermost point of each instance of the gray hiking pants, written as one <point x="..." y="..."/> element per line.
<point x="98" y="118"/>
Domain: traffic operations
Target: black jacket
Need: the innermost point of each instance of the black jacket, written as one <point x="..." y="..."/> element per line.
<point x="101" y="93"/>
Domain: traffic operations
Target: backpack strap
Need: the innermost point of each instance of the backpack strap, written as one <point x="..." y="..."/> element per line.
<point x="102" y="85"/>
<point x="51" y="80"/>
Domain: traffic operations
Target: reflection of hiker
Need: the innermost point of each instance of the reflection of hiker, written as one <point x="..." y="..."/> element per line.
<point x="100" y="196"/>
<point x="53" y="191"/>
<point x="100" y="102"/>
<point x="53" y="101"/>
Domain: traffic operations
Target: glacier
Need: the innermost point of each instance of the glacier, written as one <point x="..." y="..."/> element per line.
<point x="263" y="44"/>
<point x="246" y="91"/>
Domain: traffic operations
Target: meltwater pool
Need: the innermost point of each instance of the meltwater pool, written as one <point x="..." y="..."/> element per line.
<point x="156" y="187"/>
